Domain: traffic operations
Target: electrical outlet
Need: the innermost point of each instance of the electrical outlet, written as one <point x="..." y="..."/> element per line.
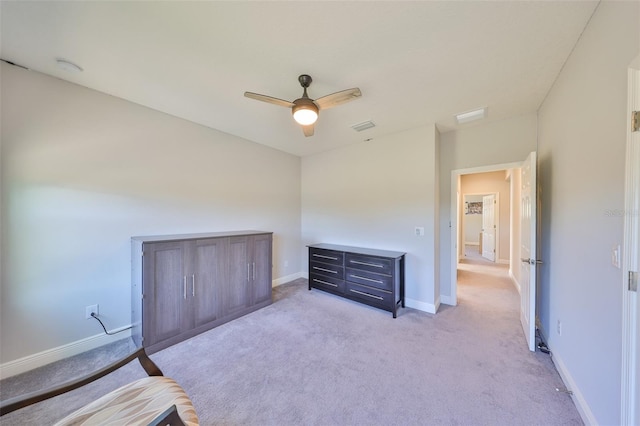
<point x="89" y="309"/>
<point x="559" y="328"/>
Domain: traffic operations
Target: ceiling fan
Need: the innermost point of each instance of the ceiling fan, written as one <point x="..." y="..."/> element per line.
<point x="305" y="110"/>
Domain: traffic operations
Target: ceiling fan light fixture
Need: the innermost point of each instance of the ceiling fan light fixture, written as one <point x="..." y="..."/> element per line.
<point x="305" y="113"/>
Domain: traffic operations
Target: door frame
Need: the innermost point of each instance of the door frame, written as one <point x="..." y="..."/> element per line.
<point x="629" y="413"/>
<point x="456" y="207"/>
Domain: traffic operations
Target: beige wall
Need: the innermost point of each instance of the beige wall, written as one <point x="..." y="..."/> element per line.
<point x="582" y="139"/>
<point x="82" y="172"/>
<point x="490" y="183"/>
<point x="373" y="194"/>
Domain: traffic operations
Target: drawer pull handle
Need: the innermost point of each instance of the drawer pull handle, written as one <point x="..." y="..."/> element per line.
<point x="325" y="270"/>
<point x="366" y="279"/>
<point x="325" y="283"/>
<point x="376" y="265"/>
<point x="366" y="294"/>
<point x="325" y="257"/>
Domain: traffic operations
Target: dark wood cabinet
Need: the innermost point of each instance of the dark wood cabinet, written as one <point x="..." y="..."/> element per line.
<point x="371" y="276"/>
<point x="249" y="280"/>
<point x="183" y="285"/>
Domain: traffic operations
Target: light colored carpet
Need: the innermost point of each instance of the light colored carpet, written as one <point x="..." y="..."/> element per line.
<point x="314" y="359"/>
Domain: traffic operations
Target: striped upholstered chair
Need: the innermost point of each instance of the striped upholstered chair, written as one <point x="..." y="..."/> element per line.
<point x="153" y="400"/>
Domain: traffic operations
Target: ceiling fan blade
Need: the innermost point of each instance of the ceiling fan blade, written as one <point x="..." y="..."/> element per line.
<point x="268" y="99"/>
<point x="338" y="98"/>
<point x="308" y="130"/>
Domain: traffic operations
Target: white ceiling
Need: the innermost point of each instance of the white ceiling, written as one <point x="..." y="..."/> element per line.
<point x="417" y="63"/>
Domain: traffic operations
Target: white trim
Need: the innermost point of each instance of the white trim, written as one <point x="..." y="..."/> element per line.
<point x="503" y="261"/>
<point x="578" y="399"/>
<point x="455" y="174"/>
<point x="286" y="279"/>
<point x="40" y="359"/>
<point x="421" y="306"/>
<point x="468" y="243"/>
<point x="631" y="262"/>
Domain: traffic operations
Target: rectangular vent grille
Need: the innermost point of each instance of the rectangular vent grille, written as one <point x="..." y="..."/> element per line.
<point x="363" y="126"/>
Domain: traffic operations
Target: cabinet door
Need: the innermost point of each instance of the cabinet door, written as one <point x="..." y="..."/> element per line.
<point x="261" y="268"/>
<point x="237" y="295"/>
<point x="164" y="291"/>
<point x="204" y="279"/>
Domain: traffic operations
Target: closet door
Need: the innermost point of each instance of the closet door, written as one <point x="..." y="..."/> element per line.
<point x="261" y="268"/>
<point x="205" y="278"/>
<point x="236" y="293"/>
<point x="164" y="292"/>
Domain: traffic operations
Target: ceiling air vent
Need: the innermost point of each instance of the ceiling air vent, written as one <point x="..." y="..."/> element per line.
<point x="363" y="126"/>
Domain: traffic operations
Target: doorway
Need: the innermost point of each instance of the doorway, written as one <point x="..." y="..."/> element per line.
<point x="481" y="224"/>
<point x="465" y="181"/>
<point x="522" y="203"/>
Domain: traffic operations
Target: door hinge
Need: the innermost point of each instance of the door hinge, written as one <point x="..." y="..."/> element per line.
<point x="633" y="281"/>
<point x="635" y="121"/>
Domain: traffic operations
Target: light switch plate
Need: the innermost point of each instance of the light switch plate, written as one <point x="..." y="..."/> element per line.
<point x="615" y="256"/>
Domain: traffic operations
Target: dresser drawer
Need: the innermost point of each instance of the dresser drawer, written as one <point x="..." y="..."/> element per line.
<point x="369" y="263"/>
<point x="328" y="283"/>
<point x="370" y="295"/>
<point x="326" y="256"/>
<point x="384" y="282"/>
<point x="327" y="270"/>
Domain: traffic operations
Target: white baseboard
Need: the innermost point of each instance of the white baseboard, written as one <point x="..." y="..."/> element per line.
<point x="578" y="399"/>
<point x="446" y="300"/>
<point x="40" y="359"/>
<point x="503" y="261"/>
<point x="471" y="244"/>
<point x="286" y="279"/>
<point x="421" y="306"/>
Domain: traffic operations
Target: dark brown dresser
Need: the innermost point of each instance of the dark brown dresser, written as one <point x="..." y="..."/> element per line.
<point x="371" y="276"/>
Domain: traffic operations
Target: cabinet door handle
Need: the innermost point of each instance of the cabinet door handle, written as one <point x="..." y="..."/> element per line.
<point x="193" y="285"/>
<point x="325" y="270"/>
<point x="366" y="279"/>
<point x="366" y="294"/>
<point x="254" y="271"/>
<point x="184" y="286"/>
<point x="376" y="265"/>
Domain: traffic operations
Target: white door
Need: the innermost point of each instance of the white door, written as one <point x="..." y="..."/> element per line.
<point x="528" y="250"/>
<point x="489" y="227"/>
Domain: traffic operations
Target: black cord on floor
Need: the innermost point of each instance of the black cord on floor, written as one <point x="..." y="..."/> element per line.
<point x="93" y="314"/>
<point x="542" y="346"/>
